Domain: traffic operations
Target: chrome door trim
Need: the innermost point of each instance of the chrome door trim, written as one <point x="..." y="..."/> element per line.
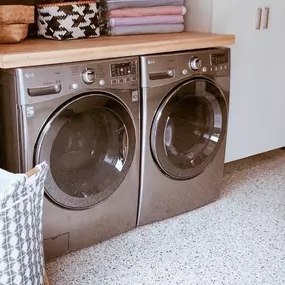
<point x="42" y="137"/>
<point x="222" y="126"/>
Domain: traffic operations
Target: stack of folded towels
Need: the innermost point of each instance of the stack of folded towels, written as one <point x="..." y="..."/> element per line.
<point x="126" y="17"/>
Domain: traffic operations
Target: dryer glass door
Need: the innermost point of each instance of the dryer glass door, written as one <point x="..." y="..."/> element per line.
<point x="188" y="128"/>
<point x="89" y="144"/>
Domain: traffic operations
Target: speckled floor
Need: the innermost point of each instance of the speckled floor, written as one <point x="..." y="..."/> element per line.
<point x="239" y="239"/>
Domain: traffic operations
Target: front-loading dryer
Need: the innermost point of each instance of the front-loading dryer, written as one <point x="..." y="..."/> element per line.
<point x="185" y="111"/>
<point x="83" y="119"/>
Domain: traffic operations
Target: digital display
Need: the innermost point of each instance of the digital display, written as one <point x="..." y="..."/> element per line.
<point x="219" y="58"/>
<point x="123" y="69"/>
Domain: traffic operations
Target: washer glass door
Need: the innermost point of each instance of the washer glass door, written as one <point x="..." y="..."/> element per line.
<point x="89" y="144"/>
<point x="188" y="128"/>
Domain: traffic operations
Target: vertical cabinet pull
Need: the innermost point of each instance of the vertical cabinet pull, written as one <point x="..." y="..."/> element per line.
<point x="259" y="16"/>
<point x="265" y="26"/>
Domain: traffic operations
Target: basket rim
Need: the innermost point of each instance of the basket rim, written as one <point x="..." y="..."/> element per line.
<point x="67" y="3"/>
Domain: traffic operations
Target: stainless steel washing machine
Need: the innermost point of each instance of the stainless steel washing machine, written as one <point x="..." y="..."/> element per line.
<point x="185" y="112"/>
<point x="83" y="119"/>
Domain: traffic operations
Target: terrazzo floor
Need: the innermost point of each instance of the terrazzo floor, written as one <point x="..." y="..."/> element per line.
<point x="240" y="239"/>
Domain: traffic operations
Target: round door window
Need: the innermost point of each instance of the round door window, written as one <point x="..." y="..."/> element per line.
<point x="89" y="144"/>
<point x="188" y="128"/>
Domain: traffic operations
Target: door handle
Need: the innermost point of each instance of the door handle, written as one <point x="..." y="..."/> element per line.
<point x="267" y="11"/>
<point x="259" y="16"/>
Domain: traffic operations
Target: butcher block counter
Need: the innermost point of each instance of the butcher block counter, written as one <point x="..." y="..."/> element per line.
<point x="34" y="52"/>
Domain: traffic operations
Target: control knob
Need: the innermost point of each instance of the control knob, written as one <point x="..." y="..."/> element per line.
<point x="195" y="63"/>
<point x="88" y="75"/>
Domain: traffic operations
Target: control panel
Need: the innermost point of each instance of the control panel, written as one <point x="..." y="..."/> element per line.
<point x="119" y="73"/>
<point x="216" y="62"/>
<point x="161" y="69"/>
<point x="124" y="72"/>
<point x="63" y="79"/>
<point x="219" y="58"/>
<point x="123" y="69"/>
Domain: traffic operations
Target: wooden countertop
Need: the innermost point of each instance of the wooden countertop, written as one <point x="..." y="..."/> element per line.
<point x="34" y="52"/>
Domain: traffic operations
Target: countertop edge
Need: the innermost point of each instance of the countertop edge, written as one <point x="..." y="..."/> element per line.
<point x="22" y="59"/>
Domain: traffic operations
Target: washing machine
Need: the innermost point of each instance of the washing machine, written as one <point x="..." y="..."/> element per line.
<point x="185" y="98"/>
<point x="83" y="119"/>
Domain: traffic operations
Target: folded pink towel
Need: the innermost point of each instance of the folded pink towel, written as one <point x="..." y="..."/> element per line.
<point x="173" y="19"/>
<point x="147" y="29"/>
<point x="152" y="11"/>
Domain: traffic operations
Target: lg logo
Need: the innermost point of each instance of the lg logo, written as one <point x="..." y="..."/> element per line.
<point x="150" y="61"/>
<point x="29" y="75"/>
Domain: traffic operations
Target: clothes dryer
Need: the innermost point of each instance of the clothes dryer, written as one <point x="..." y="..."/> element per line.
<point x="185" y="112"/>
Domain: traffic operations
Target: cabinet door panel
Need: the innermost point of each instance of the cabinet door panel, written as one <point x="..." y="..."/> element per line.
<point x="245" y="130"/>
<point x="270" y="61"/>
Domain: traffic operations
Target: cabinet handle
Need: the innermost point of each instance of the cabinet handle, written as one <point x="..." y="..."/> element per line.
<point x="265" y="27"/>
<point x="259" y="15"/>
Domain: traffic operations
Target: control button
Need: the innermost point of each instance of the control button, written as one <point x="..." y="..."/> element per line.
<point x="88" y="75"/>
<point x="74" y="86"/>
<point x="135" y="96"/>
<point x="211" y="68"/>
<point x="184" y="71"/>
<point x="114" y="81"/>
<point x="225" y="67"/>
<point x="134" y="78"/>
<point x="121" y="80"/>
<point x="221" y="68"/>
<point x="195" y="63"/>
<point x="128" y="79"/>
<point x="216" y="68"/>
<point x="204" y="69"/>
<point x="102" y="82"/>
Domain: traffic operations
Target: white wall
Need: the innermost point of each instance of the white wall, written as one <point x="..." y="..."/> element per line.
<point x="199" y="15"/>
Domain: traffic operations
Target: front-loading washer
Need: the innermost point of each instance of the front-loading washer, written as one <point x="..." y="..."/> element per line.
<point x="83" y="119"/>
<point x="185" y="99"/>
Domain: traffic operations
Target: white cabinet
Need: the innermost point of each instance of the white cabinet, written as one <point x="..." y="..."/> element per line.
<point x="257" y="102"/>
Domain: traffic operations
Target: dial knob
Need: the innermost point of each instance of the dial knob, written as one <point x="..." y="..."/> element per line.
<point x="195" y="63"/>
<point x="88" y="75"/>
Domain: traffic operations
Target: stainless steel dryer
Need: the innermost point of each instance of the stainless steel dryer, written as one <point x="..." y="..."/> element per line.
<point x="83" y="119"/>
<point x="185" y="112"/>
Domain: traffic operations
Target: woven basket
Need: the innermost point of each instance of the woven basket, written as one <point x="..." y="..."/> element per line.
<point x="13" y="33"/>
<point x="71" y="20"/>
<point x="16" y="14"/>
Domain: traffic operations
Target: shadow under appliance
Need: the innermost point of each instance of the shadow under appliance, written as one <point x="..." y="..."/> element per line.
<point x="83" y="119"/>
<point x="185" y="112"/>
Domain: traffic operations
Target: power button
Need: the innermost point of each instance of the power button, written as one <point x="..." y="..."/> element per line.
<point x="102" y="82"/>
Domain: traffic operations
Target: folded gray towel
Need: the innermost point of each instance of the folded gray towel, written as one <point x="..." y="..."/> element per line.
<point x="119" y="4"/>
<point x="147" y="29"/>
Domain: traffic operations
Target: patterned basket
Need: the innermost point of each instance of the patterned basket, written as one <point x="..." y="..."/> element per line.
<point x="21" y="239"/>
<point x="71" y="20"/>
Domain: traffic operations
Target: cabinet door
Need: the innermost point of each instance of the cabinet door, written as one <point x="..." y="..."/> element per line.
<point x="269" y="64"/>
<point x="246" y="132"/>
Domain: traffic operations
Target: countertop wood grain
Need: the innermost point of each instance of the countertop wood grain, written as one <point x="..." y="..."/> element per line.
<point x="35" y="52"/>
